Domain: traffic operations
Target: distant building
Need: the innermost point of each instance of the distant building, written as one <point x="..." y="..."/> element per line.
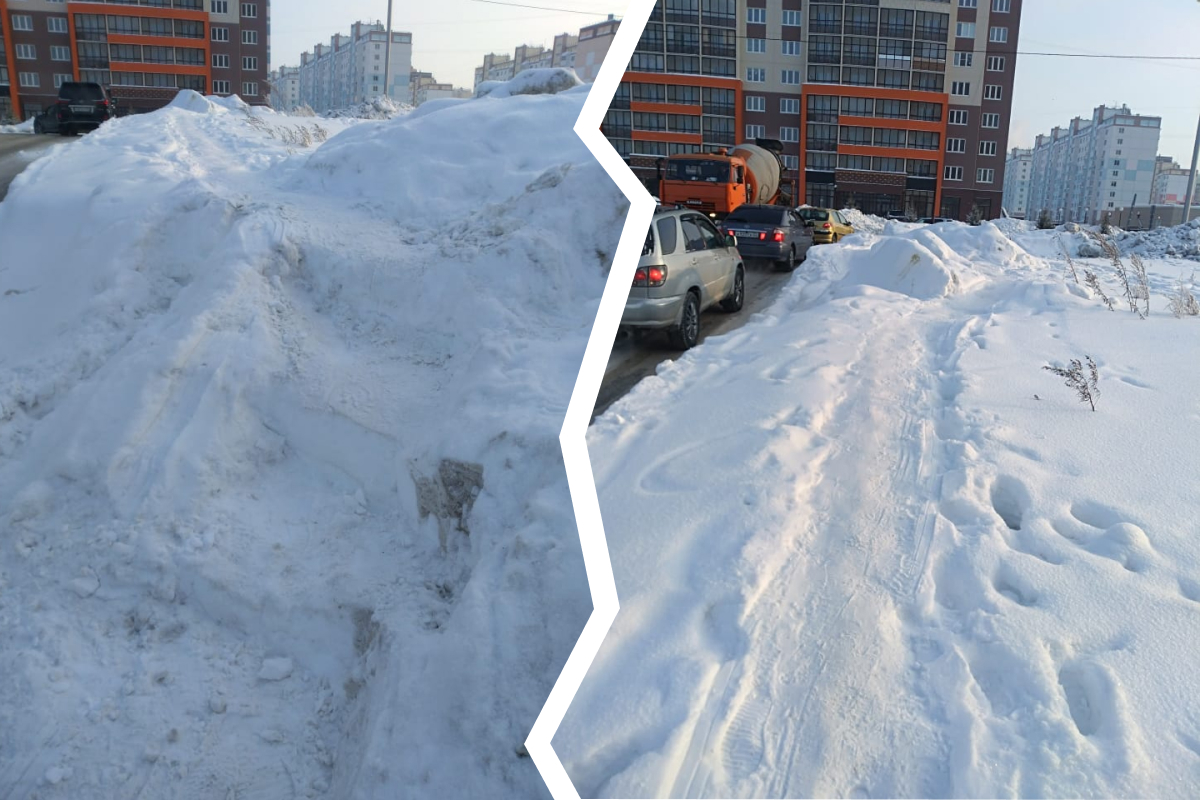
<point x="1016" y="182"/>
<point x="503" y="67"/>
<point x="285" y="89"/>
<point x="1170" y="183"/>
<point x="1094" y="167"/>
<point x="592" y="47"/>
<point x="350" y="69"/>
<point x="424" y="87"/>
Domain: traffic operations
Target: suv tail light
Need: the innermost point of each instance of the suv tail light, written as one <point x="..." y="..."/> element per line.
<point x="650" y="276"/>
<point x="777" y="236"/>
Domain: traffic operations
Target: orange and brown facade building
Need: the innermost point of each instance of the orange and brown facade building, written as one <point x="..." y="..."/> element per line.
<point x="144" y="51"/>
<point x="886" y="105"/>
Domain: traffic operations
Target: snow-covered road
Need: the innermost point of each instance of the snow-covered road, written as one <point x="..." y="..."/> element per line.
<point x="866" y="547"/>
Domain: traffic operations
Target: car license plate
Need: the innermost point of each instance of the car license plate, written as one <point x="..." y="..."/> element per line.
<point x="746" y="234"/>
<point x="83" y="109"/>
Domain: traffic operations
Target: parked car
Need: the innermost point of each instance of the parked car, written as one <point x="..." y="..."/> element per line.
<point x="828" y="225"/>
<point x="899" y="216"/>
<point x="80" y="106"/>
<point x="687" y="266"/>
<point x="770" y="233"/>
<point x="934" y="220"/>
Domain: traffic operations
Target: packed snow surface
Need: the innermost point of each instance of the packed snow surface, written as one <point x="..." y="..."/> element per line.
<point x="21" y="127"/>
<point x="866" y="546"/>
<point x="282" y="507"/>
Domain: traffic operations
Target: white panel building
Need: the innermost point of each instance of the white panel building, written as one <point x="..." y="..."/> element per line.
<point x="1016" y="182"/>
<point x="350" y="69"/>
<point x="1093" y="167"/>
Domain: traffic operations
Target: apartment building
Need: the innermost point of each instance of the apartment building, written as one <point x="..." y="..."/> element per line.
<point x="680" y="92"/>
<point x="285" y="88"/>
<point x="503" y="67"/>
<point x="1016" y="182"/>
<point x="1094" y="167"/>
<point x="425" y="87"/>
<point x="143" y="50"/>
<point x="592" y="46"/>
<point x="1169" y="186"/>
<point x="350" y="69"/>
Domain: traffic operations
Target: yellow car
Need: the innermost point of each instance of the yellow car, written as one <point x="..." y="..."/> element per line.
<point x="828" y="225"/>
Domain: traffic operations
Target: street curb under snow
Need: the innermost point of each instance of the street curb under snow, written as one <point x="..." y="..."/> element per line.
<point x="572" y="437"/>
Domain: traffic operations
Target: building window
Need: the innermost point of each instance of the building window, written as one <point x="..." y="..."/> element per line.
<point x="220" y="6"/>
<point x="990" y="121"/>
<point x="790" y="48"/>
<point x="965" y="30"/>
<point x="791" y="77"/>
<point x="250" y="63"/>
<point x="960" y="88"/>
<point x="1118" y="152"/>
<point x="249" y="37"/>
<point x="1112" y="194"/>
<point x="987" y="148"/>
<point x="789" y="105"/>
<point x="250" y="11"/>
<point x="756" y="75"/>
<point x="756" y="45"/>
<point x="998" y="35"/>
<point x="220" y="34"/>
<point x="1001" y="6"/>
<point x="968" y="3"/>
<point x="856" y="163"/>
<point x="26" y="52"/>
<point x="791" y="163"/>
<point x="963" y="59"/>
<point x="756" y="132"/>
<point x="220" y="61"/>
<point x="995" y="63"/>
<point x="60" y="52"/>
<point x="61" y="78"/>
<point x="756" y="102"/>
<point x="789" y="134"/>
<point x="985" y="175"/>
<point x="250" y="89"/>
<point x="29" y="80"/>
<point x="22" y="22"/>
<point x="956" y="145"/>
<point x="756" y="16"/>
<point x="792" y="19"/>
<point x="953" y="173"/>
<point x="958" y="116"/>
<point x="57" y="25"/>
<point x="993" y="91"/>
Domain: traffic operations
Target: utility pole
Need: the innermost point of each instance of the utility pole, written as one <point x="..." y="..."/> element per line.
<point x="1187" y="201"/>
<point x="387" y="54"/>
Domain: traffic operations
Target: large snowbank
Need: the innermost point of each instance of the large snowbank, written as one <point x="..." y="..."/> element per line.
<point x="1178" y="241"/>
<point x="376" y="108"/>
<point x="20" y="127"/>
<point x="283" y="506"/>
<point x="866" y="546"/>
<point x="544" y="80"/>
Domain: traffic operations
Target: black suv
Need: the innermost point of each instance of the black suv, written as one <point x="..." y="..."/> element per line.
<point x="80" y="106"/>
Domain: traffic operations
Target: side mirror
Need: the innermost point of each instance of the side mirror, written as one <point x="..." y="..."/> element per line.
<point x="730" y="240"/>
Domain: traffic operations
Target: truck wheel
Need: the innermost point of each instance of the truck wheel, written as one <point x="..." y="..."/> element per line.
<point x="685" y="334"/>
<point x="737" y="296"/>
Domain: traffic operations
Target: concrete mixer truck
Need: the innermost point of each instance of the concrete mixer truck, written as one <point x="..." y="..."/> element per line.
<point x="717" y="183"/>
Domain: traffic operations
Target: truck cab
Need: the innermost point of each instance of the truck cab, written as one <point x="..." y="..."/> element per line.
<point x="713" y="183"/>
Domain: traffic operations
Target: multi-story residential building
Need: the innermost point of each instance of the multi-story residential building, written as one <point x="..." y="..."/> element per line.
<point x="1016" y="182"/>
<point x="143" y="51"/>
<point x="1094" y="167"/>
<point x="594" y="41"/>
<point x="882" y="104"/>
<point x="350" y="69"/>
<point x="1170" y="183"/>
<point x="425" y="88"/>
<point x="502" y="66"/>
<point x="285" y="88"/>
<point x="680" y="92"/>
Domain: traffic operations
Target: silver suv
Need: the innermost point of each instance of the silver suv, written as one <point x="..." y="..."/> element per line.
<point x="687" y="266"/>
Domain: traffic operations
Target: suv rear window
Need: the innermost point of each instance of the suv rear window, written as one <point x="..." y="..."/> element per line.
<point x="759" y="216"/>
<point x="87" y="92"/>
<point x="819" y="214"/>
<point x="668" y="235"/>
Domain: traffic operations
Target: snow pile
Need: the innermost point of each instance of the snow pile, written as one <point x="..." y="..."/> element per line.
<point x="22" y="127"/>
<point x="375" y="108"/>
<point x="864" y="223"/>
<point x="913" y="564"/>
<point x="283" y="505"/>
<point x="547" y="80"/>
<point x="1179" y="241"/>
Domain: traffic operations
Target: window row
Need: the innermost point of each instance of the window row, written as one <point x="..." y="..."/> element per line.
<point x="982" y="175"/>
<point x="97" y="27"/>
<point x="829" y="162"/>
<point x="787" y="105"/>
<point x="688" y="39"/>
<point x="877" y="137"/>
<point x="996" y="34"/>
<point x="712" y="100"/>
<point x="758" y="16"/>
<point x="786" y="48"/>
<point x="954" y="145"/>
<point x="884" y="78"/>
<point x="898" y="23"/>
<point x="825" y="108"/>
<point x="722" y="13"/>
<point x="789" y="77"/>
<point x="868" y="52"/>
<point x="24" y="22"/>
<point x="786" y="134"/>
<point x="991" y="91"/>
<point x="683" y="65"/>
<point x="998" y="6"/>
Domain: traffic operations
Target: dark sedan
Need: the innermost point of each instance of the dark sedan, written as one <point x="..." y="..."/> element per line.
<point x="770" y="233"/>
<point x="80" y="107"/>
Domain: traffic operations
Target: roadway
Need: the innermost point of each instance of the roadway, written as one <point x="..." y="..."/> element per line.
<point x="17" y="151"/>
<point x="633" y="359"/>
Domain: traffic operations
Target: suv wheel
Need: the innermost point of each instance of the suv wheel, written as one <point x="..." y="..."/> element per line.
<point x="686" y="333"/>
<point x="737" y="295"/>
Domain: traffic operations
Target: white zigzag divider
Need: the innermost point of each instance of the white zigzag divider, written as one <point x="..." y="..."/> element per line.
<point x="583" y="398"/>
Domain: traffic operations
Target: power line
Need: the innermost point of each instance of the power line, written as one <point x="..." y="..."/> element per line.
<point x="540" y="8"/>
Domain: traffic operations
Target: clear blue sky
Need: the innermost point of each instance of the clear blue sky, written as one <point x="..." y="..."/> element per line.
<point x="451" y="36"/>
